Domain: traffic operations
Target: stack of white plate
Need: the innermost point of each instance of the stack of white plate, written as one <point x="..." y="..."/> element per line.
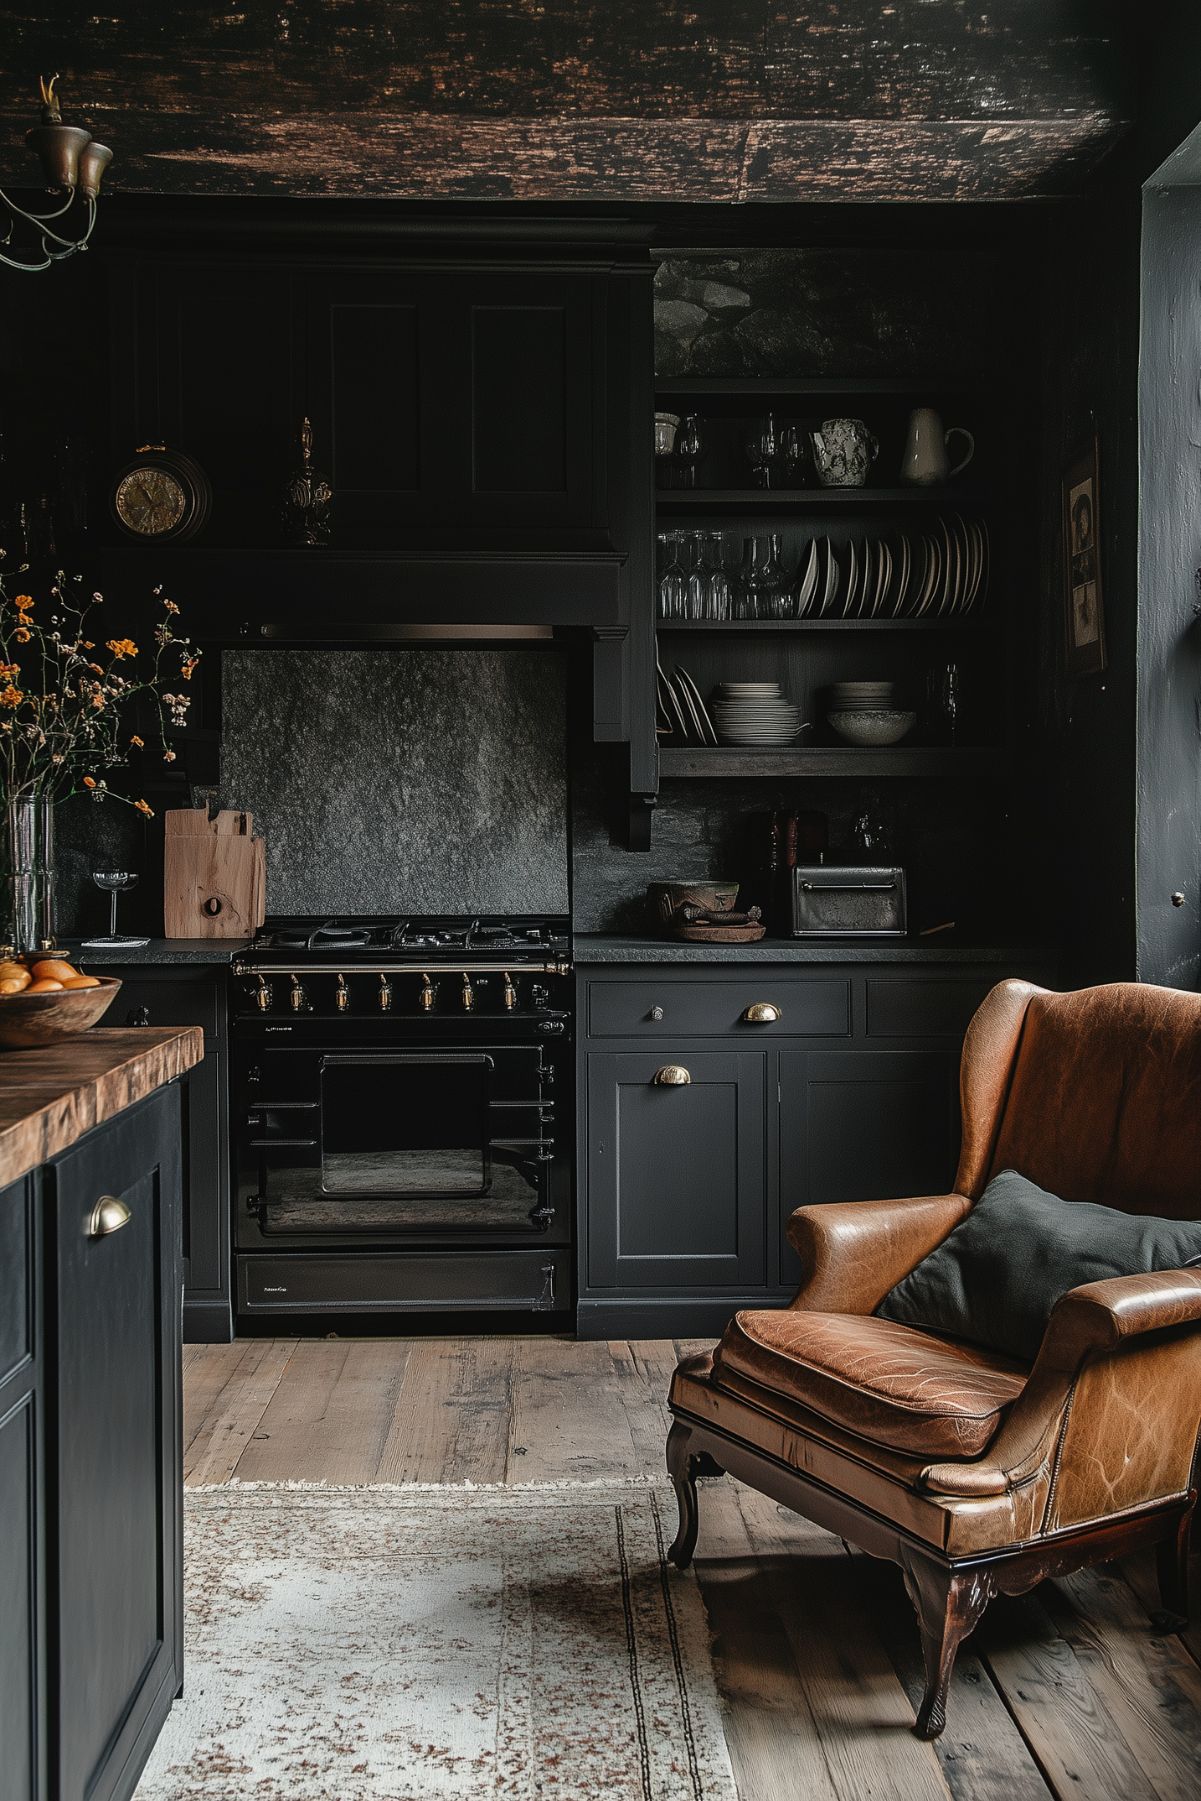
<point x="862" y="697"/>
<point x="754" y="713"/>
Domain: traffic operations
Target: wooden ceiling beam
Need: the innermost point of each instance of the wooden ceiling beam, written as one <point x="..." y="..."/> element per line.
<point x="722" y="100"/>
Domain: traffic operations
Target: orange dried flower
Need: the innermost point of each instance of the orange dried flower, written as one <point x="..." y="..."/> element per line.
<point x="140" y="742"/>
<point x="143" y="807"/>
<point x="10" y="696"/>
<point x="122" y="647"/>
<point x="23" y="634"/>
<point x="89" y="781"/>
<point x="23" y="602"/>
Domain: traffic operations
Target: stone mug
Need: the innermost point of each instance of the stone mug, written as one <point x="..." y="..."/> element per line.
<point x="843" y="453"/>
<point x="925" y="461"/>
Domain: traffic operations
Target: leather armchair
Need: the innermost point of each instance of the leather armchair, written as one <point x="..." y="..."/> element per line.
<point x="977" y="1474"/>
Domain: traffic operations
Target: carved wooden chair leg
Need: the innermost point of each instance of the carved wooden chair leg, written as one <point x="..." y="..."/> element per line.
<point x="682" y="1468"/>
<point x="1172" y="1560"/>
<point x="947" y="1607"/>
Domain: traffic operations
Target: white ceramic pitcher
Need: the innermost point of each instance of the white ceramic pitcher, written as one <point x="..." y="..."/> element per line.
<point x="926" y="460"/>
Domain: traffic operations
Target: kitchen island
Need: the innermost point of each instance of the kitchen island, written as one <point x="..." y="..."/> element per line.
<point x="91" y="1657"/>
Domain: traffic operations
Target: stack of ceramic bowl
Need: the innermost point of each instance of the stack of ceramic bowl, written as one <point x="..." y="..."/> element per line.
<point x="754" y="713"/>
<point x="864" y="713"/>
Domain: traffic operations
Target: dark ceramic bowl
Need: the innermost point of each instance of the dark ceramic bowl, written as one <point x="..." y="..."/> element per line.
<point x="30" y="1020"/>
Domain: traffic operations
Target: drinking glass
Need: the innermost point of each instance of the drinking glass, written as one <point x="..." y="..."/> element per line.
<point x="694" y="593"/>
<point x="775" y="582"/>
<point x="673" y="581"/>
<point x="794" y="456"/>
<point x="718" y="597"/>
<point x="690" y="446"/>
<point x="114" y="882"/>
<point x="762" y="451"/>
<point x="755" y="583"/>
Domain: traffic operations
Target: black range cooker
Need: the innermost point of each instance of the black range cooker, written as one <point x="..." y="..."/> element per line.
<point x="401" y="1103"/>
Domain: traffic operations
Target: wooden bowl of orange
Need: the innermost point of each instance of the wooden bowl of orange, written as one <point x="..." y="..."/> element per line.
<point x="44" y="998"/>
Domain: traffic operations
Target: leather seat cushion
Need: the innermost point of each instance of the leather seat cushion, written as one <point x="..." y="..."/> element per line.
<point x="886" y="1382"/>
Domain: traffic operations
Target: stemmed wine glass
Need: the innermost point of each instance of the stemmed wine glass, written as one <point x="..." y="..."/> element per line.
<point x="114" y="882"/>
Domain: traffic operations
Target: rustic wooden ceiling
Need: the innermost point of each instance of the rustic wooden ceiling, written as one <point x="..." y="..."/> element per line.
<point x="569" y="100"/>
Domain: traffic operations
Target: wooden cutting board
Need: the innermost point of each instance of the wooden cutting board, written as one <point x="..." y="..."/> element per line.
<point x="214" y="875"/>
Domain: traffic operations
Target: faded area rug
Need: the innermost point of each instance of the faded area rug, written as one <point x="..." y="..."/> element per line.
<point x="392" y="1644"/>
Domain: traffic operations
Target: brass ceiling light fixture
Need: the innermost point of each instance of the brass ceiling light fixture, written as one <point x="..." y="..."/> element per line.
<point x="73" y="164"/>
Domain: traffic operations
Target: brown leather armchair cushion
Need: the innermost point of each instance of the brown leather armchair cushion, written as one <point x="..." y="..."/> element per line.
<point x="884" y="1381"/>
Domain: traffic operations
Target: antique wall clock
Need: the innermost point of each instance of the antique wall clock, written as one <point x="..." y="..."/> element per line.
<point x="162" y="496"/>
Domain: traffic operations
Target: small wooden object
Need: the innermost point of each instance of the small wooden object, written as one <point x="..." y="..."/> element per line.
<point x="214" y="875"/>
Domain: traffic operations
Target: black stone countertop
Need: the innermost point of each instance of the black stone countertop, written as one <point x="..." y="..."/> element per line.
<point x="592" y="948"/>
<point x="160" y="950"/>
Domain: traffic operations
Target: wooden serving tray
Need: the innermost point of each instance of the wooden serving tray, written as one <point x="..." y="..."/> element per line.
<point x="720" y="934"/>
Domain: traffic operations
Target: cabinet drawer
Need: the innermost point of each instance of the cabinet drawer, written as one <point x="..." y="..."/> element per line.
<point x="816" y="1008"/>
<point x="182" y="998"/>
<point x="912" y="1007"/>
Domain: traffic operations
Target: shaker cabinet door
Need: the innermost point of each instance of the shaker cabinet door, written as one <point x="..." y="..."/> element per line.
<point x="115" y="1441"/>
<point x="863" y="1126"/>
<point x="376" y="350"/>
<point x="677" y="1175"/>
<point x="521" y="390"/>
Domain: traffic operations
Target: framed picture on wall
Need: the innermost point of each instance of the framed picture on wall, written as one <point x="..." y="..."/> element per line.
<point x="1084" y="615"/>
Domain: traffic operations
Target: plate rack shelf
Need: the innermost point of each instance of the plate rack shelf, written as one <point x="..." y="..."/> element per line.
<point x="807" y="655"/>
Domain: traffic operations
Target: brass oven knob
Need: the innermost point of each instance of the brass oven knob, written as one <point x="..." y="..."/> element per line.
<point x="425" y="1000"/>
<point x="385" y="995"/>
<point x="342" y="996"/>
<point x="672" y="1075"/>
<point x="298" y="1000"/>
<point x="467" y="997"/>
<point x="262" y="995"/>
<point x="763" y="1013"/>
<point x="510" y="993"/>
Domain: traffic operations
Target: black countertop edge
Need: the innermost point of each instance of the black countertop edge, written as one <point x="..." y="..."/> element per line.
<point x="214" y="951"/>
<point x="590" y="948"/>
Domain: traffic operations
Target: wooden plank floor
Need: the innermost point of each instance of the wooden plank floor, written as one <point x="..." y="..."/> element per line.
<point x="1066" y="1692"/>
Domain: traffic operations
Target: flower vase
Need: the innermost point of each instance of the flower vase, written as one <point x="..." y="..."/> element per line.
<point x="27" y="874"/>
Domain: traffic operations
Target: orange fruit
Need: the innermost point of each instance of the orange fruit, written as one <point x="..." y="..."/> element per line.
<point x="10" y="969"/>
<point x="82" y="982"/>
<point x="12" y="985"/>
<point x="54" y="969"/>
<point x="44" y="985"/>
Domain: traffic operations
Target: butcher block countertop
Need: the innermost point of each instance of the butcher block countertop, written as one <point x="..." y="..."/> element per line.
<point x="50" y="1097"/>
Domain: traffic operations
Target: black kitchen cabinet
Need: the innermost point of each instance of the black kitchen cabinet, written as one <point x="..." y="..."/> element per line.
<point x="843" y="1089"/>
<point x="863" y="1125"/>
<point x="678" y="1170"/>
<point x="115" y="1449"/>
<point x="91" y="1461"/>
<point x="450" y="405"/>
<point x="152" y="995"/>
<point x="22" y="1496"/>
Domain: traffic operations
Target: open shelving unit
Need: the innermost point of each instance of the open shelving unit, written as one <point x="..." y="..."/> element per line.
<point x="827" y="760"/>
<point x="807" y="655"/>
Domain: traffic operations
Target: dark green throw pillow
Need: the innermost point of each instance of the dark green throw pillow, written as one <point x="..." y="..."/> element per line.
<point x="995" y="1278"/>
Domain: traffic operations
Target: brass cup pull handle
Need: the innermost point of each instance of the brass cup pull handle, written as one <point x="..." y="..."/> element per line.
<point x="107" y="1216"/>
<point x="763" y="1013"/>
<point x="672" y="1075"/>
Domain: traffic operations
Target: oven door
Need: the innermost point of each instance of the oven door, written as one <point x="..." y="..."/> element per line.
<point x="400" y="1144"/>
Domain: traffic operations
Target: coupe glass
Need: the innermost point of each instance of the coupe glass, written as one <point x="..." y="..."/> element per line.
<point x="114" y="882"/>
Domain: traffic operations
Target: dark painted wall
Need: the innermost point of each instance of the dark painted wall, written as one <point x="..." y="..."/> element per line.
<point x="1169" y="636"/>
<point x="1084" y="736"/>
